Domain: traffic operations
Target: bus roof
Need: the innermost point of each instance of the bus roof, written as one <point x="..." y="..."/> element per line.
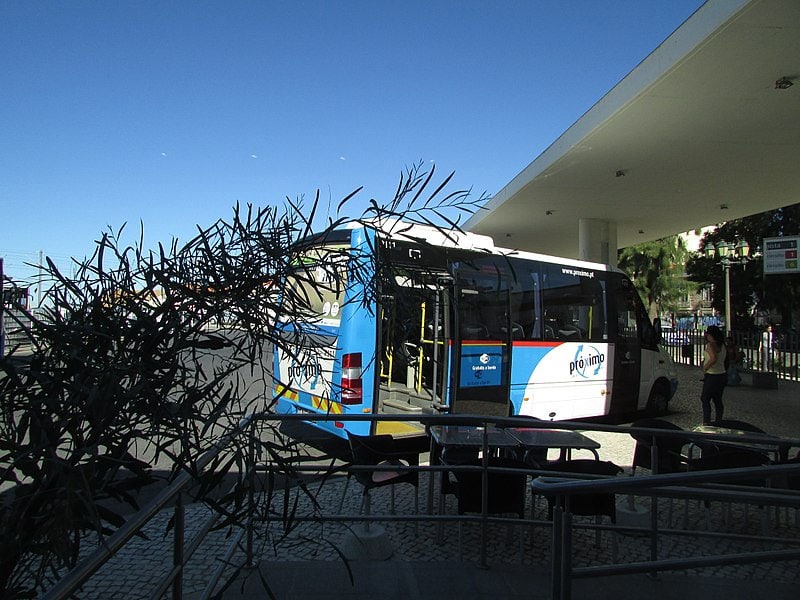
<point x="453" y="238"/>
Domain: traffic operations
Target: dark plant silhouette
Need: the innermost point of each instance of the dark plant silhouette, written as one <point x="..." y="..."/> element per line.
<point x="147" y="358"/>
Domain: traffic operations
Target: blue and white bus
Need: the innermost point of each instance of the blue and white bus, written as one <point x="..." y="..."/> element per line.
<point x="411" y="319"/>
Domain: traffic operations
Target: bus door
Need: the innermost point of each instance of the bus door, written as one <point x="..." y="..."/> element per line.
<point x="413" y="341"/>
<point x="437" y="338"/>
<point x="482" y="334"/>
<point x="627" y="348"/>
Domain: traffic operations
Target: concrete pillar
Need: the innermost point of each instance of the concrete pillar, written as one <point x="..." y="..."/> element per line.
<point x="597" y="241"/>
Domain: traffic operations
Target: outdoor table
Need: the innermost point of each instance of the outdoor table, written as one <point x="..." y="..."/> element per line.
<point x="448" y="436"/>
<point x="487" y="439"/>
<point x="564" y="440"/>
<point x="760" y="442"/>
<point x="464" y="436"/>
<point x="756" y="443"/>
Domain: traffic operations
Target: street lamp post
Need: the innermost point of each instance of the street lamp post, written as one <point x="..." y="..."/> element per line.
<point x="726" y="267"/>
<point x="742" y="249"/>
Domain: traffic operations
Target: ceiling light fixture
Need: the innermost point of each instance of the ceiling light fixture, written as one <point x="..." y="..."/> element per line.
<point x="784" y="83"/>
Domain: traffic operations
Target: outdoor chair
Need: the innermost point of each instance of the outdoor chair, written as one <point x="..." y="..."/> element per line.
<point x="593" y="504"/>
<point x="789" y="482"/>
<point x="669" y="453"/>
<point x="719" y="456"/>
<point x="454" y="456"/>
<point x="505" y="493"/>
<point x="669" y="449"/>
<point x="381" y="451"/>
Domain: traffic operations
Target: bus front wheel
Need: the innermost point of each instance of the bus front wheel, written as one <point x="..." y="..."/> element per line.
<point x="658" y="401"/>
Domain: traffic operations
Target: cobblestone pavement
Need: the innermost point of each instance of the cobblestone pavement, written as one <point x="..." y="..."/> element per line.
<point x="132" y="573"/>
<point x="314" y="541"/>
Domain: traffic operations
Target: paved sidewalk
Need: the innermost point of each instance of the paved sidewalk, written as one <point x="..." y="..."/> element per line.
<point x="421" y="568"/>
<point x="420" y="580"/>
<point x="305" y="563"/>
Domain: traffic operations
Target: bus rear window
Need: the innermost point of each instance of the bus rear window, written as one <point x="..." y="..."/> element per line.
<point x="315" y="289"/>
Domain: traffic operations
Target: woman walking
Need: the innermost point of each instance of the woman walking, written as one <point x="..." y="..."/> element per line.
<point x="716" y="375"/>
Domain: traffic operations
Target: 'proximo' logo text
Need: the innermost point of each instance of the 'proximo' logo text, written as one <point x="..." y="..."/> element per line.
<point x="587" y="363"/>
<point x="306" y="372"/>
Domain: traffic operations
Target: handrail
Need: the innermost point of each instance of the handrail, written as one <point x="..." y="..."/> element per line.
<point x="88" y="566"/>
<point x="566" y="486"/>
<point x="706" y="484"/>
<point x="661" y="485"/>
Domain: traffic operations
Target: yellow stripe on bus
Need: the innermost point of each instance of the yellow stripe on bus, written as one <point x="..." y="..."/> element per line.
<point x="326" y="406"/>
<point x="331" y="408"/>
<point x="284" y="392"/>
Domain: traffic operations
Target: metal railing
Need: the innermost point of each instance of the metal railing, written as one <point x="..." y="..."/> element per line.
<point x="692" y="485"/>
<point x="781" y="356"/>
<point x="705" y="485"/>
<point x="133" y="526"/>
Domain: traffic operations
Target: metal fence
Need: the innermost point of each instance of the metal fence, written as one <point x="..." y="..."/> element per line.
<point x="15" y="325"/>
<point x="778" y="353"/>
<point x="16" y="331"/>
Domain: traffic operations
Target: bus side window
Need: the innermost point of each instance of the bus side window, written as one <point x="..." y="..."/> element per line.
<point x="648" y="332"/>
<point x="526" y="307"/>
<point x="631" y="316"/>
<point x="573" y="304"/>
<point x="521" y="316"/>
<point x="626" y="318"/>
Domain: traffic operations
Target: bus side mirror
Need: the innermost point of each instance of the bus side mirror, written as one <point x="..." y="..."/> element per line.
<point x="657" y="328"/>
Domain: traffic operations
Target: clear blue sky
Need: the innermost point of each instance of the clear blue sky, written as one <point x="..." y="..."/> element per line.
<point x="170" y="112"/>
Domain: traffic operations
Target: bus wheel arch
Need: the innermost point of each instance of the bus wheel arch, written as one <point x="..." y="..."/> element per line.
<point x="658" y="402"/>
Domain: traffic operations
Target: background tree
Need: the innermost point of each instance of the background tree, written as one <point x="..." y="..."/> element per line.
<point x="657" y="271"/>
<point x="751" y="291"/>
